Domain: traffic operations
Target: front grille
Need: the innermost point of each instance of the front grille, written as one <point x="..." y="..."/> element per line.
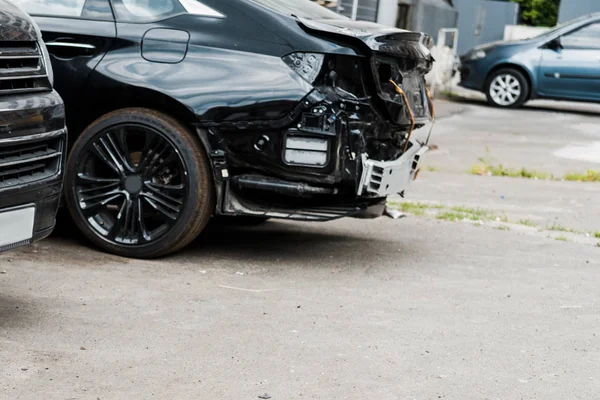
<point x="27" y="161"/>
<point x="22" y="68"/>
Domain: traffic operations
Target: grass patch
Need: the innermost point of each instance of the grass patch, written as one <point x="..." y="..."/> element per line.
<point x="433" y="169"/>
<point x="559" y="228"/>
<point x="415" y="208"/>
<point x="503" y="228"/>
<point x="452" y="216"/>
<point x="474" y="214"/>
<point x="597" y="235"/>
<point x="527" y="222"/>
<point x="590" y="176"/>
<point x="449" y="94"/>
<point x="486" y="169"/>
<point x="561" y="238"/>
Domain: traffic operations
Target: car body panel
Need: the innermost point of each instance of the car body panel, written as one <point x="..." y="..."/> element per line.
<point x="77" y="46"/>
<point x="552" y="72"/>
<point x="570" y="74"/>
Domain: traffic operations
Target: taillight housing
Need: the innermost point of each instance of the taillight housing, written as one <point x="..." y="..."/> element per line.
<point x="307" y="65"/>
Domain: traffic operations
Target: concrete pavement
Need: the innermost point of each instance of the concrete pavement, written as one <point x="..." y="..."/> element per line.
<point x="414" y="308"/>
<point x="405" y="309"/>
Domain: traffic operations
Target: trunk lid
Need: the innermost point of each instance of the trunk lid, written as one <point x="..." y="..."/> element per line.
<point x="378" y="38"/>
<point x="398" y="59"/>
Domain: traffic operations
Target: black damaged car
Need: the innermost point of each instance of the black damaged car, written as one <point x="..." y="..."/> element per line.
<point x="32" y="133"/>
<point x="181" y="110"/>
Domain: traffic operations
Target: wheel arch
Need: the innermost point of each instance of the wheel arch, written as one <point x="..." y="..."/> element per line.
<point x="121" y="98"/>
<point x="524" y="71"/>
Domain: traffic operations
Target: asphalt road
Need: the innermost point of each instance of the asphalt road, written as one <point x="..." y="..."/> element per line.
<point x="414" y="308"/>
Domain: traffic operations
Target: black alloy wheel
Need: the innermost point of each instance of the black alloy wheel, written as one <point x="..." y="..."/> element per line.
<point x="138" y="184"/>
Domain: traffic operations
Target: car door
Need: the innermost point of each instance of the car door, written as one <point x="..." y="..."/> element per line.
<point x="570" y="65"/>
<point x="78" y="34"/>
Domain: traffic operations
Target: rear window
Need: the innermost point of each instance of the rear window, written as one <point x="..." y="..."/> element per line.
<point x="300" y="8"/>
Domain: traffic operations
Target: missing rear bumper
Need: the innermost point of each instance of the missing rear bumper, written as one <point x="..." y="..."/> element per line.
<point x="382" y="178"/>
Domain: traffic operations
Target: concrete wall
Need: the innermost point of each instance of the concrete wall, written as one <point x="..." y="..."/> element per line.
<point x="483" y="21"/>
<point x="570" y="9"/>
<point x="516" y="32"/>
<point x="430" y="16"/>
<point x="388" y="12"/>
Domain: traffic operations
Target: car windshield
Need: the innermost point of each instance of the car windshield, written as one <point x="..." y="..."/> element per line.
<point x="300" y="8"/>
<point x="561" y="26"/>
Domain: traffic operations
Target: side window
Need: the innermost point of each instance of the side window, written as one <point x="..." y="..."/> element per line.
<point x="98" y="9"/>
<point x="586" y="38"/>
<point x="53" y="8"/>
<point x="146" y="10"/>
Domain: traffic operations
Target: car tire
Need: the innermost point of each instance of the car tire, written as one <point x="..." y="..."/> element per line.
<point x="139" y="184"/>
<point x="507" y="88"/>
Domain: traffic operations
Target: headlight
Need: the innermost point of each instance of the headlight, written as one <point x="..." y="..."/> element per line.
<point x="307" y="65"/>
<point x="47" y="62"/>
<point x="477" y="55"/>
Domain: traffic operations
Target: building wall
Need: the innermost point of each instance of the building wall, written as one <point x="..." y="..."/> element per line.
<point x="427" y="16"/>
<point x="570" y="9"/>
<point x="483" y="21"/>
<point x="367" y="9"/>
<point x="430" y="16"/>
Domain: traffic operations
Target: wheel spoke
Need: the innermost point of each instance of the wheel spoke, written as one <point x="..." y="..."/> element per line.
<point x="163" y="198"/>
<point x="102" y="188"/>
<point x="158" y="187"/>
<point x="89" y="204"/>
<point x="88" y="179"/>
<point x="140" y="221"/>
<point x="118" y="143"/>
<point x="160" y="206"/>
<point x="102" y="151"/>
<point x="128" y="227"/>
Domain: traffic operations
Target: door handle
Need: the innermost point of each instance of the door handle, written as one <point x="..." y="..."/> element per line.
<point x="68" y="50"/>
<point x="71" y="45"/>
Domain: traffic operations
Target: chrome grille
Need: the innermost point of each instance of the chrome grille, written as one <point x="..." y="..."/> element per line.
<point x="30" y="158"/>
<point x="22" y="68"/>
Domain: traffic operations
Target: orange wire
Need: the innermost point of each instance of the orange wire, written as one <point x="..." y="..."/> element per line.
<point x="410" y="112"/>
<point x="431" y="106"/>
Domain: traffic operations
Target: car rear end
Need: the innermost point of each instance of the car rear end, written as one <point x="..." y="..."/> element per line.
<point x="357" y="137"/>
<point x="32" y="134"/>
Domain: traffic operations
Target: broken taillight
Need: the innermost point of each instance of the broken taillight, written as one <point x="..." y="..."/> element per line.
<point x="307" y="65"/>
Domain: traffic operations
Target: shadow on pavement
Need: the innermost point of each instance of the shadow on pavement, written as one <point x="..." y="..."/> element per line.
<point x="14" y="313"/>
<point x="292" y="242"/>
<point x="273" y="240"/>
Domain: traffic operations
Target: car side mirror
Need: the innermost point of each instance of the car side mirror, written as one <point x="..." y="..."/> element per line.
<point x="555" y="45"/>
